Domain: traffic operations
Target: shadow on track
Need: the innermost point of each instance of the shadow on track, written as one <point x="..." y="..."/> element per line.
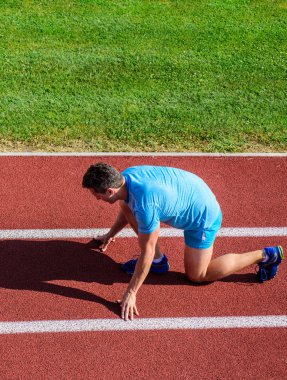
<point x="241" y="279"/>
<point x="30" y="265"/>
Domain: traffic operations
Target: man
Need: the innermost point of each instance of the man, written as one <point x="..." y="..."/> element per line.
<point x="148" y="195"/>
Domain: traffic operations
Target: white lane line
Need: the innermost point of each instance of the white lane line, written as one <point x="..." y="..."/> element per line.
<point x="128" y="232"/>
<point x="195" y="323"/>
<point x="137" y="154"/>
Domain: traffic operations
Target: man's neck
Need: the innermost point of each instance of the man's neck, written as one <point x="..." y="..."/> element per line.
<point x="122" y="193"/>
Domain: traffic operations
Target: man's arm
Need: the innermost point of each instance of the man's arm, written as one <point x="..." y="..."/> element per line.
<point x="118" y="225"/>
<point x="147" y="244"/>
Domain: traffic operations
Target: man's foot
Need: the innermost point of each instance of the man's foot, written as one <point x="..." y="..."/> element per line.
<point x="161" y="267"/>
<point x="269" y="267"/>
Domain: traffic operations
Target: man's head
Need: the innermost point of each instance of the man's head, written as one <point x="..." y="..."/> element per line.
<point x="104" y="181"/>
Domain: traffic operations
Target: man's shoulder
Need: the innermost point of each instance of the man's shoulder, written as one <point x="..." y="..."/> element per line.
<point x="138" y="168"/>
<point x="149" y="169"/>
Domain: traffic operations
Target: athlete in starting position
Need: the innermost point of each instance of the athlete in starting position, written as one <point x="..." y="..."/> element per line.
<point x="148" y="195"/>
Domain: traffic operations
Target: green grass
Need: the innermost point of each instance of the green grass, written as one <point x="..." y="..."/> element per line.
<point x="144" y="75"/>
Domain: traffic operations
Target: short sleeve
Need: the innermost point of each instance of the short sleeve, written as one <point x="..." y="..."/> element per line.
<point x="147" y="219"/>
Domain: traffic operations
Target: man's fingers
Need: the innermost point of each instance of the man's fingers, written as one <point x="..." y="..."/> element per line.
<point x="136" y="311"/>
<point x="103" y="247"/>
<point x="127" y="312"/>
<point x="95" y="243"/>
<point x="123" y="312"/>
<point x="111" y="240"/>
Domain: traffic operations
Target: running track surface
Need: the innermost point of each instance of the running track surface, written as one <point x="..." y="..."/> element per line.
<point x="66" y="279"/>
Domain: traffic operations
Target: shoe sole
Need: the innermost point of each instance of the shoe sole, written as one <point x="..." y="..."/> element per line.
<point x="160" y="272"/>
<point x="132" y="272"/>
<point x="281" y="252"/>
<point x="267" y="279"/>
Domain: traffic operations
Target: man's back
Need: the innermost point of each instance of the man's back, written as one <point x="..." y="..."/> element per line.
<point x="170" y="195"/>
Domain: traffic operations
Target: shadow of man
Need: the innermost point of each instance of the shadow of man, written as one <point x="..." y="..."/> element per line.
<point x="30" y="265"/>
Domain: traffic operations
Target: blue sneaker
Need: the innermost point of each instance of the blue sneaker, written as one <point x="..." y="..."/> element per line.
<point x="161" y="267"/>
<point x="268" y="269"/>
<point x="265" y="274"/>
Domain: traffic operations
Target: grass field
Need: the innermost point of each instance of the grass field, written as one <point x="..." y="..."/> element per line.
<point x="143" y="75"/>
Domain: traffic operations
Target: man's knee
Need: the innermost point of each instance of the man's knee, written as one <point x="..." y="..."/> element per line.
<point x="196" y="263"/>
<point x="197" y="278"/>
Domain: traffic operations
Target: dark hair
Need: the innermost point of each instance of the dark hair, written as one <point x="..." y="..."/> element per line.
<point x="102" y="176"/>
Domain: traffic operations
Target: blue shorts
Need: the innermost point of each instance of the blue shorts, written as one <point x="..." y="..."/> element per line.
<point x="203" y="238"/>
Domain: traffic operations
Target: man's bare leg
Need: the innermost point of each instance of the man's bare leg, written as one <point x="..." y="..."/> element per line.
<point x="133" y="223"/>
<point x="199" y="266"/>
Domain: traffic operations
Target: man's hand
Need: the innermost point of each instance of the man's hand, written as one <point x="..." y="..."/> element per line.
<point x="102" y="242"/>
<point x="147" y="244"/>
<point x="128" y="305"/>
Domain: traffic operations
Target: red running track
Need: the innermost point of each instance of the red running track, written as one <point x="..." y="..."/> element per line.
<point x="212" y="354"/>
<point x="45" y="192"/>
<point x="67" y="280"/>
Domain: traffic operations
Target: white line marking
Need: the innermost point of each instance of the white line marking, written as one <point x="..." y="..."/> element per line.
<point x="196" y="323"/>
<point x="137" y="154"/>
<point x="128" y="232"/>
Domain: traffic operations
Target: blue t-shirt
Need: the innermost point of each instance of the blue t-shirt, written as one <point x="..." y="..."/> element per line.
<point x="169" y="195"/>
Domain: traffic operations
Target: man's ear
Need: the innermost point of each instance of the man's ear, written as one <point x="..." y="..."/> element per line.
<point x="110" y="191"/>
